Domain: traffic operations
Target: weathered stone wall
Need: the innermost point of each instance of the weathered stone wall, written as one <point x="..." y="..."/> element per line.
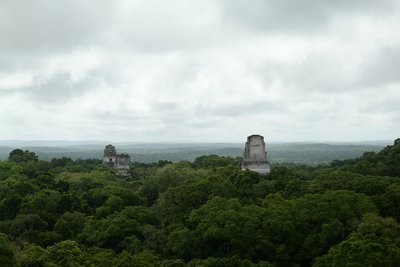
<point x="110" y="155"/>
<point x="111" y="158"/>
<point x="110" y="151"/>
<point x="255" y="155"/>
<point x="123" y="161"/>
<point x="255" y="149"/>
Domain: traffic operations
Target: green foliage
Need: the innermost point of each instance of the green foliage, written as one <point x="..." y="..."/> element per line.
<point x="213" y="161"/>
<point x="384" y="163"/>
<point x="31" y="255"/>
<point x="65" y="253"/>
<point x="206" y="213"/>
<point x="18" y="155"/>
<point x="7" y="257"/>
<point x="70" y="224"/>
<point x="234" y="261"/>
<point x="145" y="259"/>
<point x="375" y="243"/>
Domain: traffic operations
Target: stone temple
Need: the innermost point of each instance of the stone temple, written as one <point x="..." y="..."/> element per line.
<point x="118" y="161"/>
<point x="255" y="156"/>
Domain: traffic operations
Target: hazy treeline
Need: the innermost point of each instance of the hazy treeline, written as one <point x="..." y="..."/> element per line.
<point x="310" y="154"/>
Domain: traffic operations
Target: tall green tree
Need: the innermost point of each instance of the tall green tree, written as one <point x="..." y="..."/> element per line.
<point x="18" y="155"/>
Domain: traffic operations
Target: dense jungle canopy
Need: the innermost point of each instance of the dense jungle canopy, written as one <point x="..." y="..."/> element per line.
<point x="207" y="212"/>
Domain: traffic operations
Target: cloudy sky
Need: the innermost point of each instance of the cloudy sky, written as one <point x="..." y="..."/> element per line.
<point x="200" y="71"/>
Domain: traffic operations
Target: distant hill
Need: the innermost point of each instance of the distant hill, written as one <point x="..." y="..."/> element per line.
<point x="299" y="153"/>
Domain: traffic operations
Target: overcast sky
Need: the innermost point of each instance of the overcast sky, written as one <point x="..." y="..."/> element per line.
<point x="200" y="71"/>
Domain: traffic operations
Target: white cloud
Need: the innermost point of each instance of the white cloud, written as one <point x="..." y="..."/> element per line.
<point x="199" y="71"/>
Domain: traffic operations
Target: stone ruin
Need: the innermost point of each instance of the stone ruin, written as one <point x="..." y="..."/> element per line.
<point x="255" y="155"/>
<point x="118" y="161"/>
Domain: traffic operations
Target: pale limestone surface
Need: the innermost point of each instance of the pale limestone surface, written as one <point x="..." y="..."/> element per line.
<point x="119" y="161"/>
<point x="255" y="155"/>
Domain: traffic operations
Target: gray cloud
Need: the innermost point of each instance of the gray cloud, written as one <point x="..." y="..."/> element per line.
<point x="300" y="17"/>
<point x="44" y="25"/>
<point x="162" y="29"/>
<point x="199" y="71"/>
<point x="316" y="74"/>
<point x="383" y="68"/>
<point x="56" y="89"/>
<point x="242" y="109"/>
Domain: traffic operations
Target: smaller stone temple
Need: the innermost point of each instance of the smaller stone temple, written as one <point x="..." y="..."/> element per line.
<point x="255" y="155"/>
<point x="118" y="161"/>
